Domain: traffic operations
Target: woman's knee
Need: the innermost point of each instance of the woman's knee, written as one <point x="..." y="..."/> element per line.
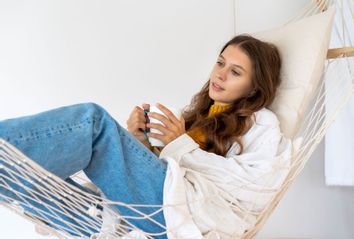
<point x="94" y="109"/>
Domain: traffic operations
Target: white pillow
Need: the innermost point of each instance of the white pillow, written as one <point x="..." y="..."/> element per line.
<point x="303" y="49"/>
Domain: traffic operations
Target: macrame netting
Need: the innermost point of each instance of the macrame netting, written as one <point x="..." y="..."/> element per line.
<point x="77" y="199"/>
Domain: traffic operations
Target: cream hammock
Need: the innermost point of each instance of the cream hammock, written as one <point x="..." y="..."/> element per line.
<point x="305" y="106"/>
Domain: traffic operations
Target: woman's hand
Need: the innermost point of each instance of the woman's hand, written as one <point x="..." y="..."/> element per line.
<point x="137" y="124"/>
<point x="172" y="127"/>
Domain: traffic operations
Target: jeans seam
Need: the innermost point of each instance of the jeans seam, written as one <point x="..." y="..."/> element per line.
<point x="35" y="134"/>
<point x="145" y="155"/>
<point x="130" y="144"/>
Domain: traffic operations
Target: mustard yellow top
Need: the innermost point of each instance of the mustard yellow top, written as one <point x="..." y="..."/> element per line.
<point x="196" y="134"/>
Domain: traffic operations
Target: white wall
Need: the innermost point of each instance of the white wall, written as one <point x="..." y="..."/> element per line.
<point x="123" y="53"/>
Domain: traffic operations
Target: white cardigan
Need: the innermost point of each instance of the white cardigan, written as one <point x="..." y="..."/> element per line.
<point x="226" y="187"/>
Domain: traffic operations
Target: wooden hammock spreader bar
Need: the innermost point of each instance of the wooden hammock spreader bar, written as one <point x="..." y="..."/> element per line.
<point x="337" y="52"/>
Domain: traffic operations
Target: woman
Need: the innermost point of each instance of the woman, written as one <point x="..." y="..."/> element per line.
<point x="217" y="125"/>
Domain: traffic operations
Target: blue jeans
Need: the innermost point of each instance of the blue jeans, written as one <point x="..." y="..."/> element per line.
<point x="85" y="137"/>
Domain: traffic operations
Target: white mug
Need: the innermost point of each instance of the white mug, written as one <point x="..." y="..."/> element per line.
<point x="155" y="141"/>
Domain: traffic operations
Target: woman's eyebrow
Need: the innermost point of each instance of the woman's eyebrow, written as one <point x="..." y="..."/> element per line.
<point x="234" y="64"/>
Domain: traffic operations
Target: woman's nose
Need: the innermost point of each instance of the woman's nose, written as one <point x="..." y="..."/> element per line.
<point x="221" y="74"/>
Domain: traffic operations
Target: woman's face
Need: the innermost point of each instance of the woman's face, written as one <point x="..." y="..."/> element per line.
<point x="232" y="72"/>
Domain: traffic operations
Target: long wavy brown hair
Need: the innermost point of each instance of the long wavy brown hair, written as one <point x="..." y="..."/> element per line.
<point x="227" y="127"/>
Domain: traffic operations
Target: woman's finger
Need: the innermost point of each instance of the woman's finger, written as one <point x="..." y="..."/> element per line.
<point x="168" y="124"/>
<point x="159" y="127"/>
<point x="160" y="137"/>
<point x="140" y="126"/>
<point x="170" y="115"/>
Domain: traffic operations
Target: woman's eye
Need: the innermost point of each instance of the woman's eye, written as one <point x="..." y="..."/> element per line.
<point x="235" y="73"/>
<point x="219" y="63"/>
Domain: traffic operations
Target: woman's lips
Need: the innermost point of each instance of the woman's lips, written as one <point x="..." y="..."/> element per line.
<point x="216" y="87"/>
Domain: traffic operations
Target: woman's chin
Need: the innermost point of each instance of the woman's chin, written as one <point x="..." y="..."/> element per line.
<point x="212" y="95"/>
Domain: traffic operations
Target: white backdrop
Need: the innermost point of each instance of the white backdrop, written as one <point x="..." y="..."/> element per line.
<point x="123" y="53"/>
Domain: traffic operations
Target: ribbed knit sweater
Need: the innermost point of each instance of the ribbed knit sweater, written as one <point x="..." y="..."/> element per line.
<point x="196" y="134"/>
